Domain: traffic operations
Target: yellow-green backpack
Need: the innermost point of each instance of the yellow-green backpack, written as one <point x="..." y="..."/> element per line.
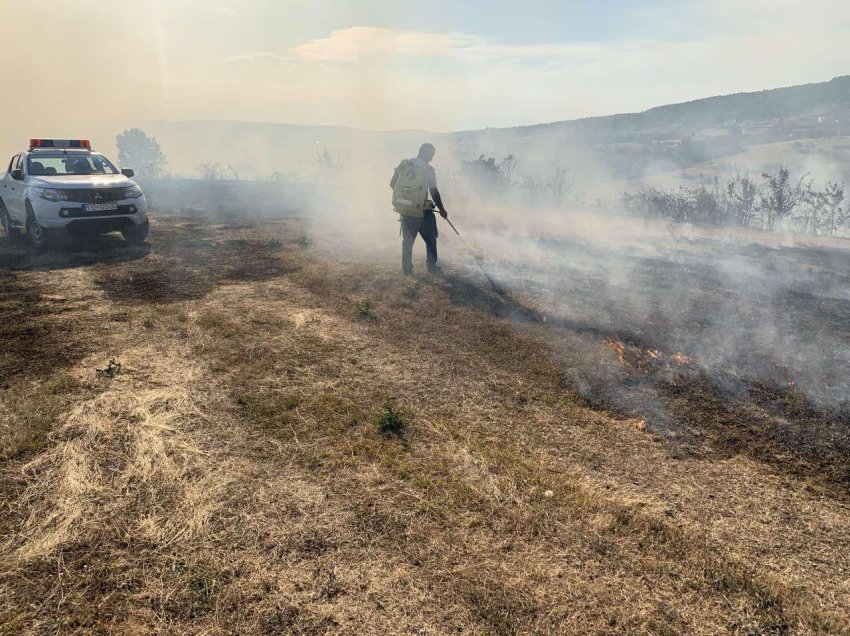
<point x="410" y="191"/>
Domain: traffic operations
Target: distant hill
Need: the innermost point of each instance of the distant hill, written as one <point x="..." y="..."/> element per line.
<point x="624" y="146"/>
<point x="830" y="100"/>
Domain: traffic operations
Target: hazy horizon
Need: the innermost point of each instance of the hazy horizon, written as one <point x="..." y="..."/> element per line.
<point x="371" y="66"/>
<point x="754" y="89"/>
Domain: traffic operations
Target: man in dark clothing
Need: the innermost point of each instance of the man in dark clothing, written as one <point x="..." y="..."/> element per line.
<point x="412" y="181"/>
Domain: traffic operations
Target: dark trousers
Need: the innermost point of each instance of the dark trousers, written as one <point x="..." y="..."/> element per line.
<point x="426" y="227"/>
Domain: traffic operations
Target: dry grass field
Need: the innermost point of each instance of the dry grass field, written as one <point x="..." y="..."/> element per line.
<point x="230" y="431"/>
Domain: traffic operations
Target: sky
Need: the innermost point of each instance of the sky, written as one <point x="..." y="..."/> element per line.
<point x="441" y="65"/>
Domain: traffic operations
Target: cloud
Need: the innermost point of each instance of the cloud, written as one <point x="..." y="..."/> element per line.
<point x="362" y="43"/>
<point x="357" y="43"/>
<point x="261" y="57"/>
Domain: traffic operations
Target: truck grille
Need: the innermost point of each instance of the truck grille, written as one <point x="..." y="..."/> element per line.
<point x="99" y="195"/>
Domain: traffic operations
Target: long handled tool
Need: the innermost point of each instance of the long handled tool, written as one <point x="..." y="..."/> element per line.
<point x="496" y="288"/>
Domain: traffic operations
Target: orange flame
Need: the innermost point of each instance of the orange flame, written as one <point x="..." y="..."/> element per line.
<point x="618" y="348"/>
<point x="680" y="359"/>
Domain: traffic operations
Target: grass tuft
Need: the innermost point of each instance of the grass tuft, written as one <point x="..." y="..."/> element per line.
<point x="364" y="307"/>
<point x="412" y="289"/>
<point x="389" y="422"/>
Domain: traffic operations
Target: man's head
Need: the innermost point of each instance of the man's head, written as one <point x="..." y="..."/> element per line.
<point x="426" y="152"/>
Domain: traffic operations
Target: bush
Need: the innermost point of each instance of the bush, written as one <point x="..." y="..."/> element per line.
<point x="485" y="174"/>
<point x="388" y="421"/>
<point x="777" y="201"/>
<point x="491" y="178"/>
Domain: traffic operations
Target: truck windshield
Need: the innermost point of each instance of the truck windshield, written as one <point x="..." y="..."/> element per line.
<point x="48" y="166"/>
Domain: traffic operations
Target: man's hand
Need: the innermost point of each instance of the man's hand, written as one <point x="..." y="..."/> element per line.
<point x="444" y="214"/>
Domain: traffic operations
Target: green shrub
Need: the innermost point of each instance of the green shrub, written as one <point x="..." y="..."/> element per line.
<point x="389" y="422"/>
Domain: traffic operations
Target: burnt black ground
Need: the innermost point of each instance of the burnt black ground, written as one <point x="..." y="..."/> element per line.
<point x="728" y="346"/>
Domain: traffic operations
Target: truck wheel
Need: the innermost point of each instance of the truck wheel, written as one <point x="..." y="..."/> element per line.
<point x="136" y="234"/>
<point x="35" y="233"/>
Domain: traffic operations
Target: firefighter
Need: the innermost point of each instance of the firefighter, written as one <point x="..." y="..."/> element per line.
<point x="412" y="182"/>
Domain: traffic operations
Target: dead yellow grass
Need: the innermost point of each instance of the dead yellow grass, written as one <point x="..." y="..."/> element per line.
<point x="231" y="480"/>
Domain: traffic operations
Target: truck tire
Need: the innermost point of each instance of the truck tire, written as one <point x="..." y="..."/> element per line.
<point x="36" y="234"/>
<point x="136" y="234"/>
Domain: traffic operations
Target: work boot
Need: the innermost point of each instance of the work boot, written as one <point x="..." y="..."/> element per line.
<point x="435" y="270"/>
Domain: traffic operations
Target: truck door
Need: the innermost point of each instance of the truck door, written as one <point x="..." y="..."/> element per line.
<point x="13" y="192"/>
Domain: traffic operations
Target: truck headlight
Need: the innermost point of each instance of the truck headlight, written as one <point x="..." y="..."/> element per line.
<point x="133" y="192"/>
<point x="50" y="194"/>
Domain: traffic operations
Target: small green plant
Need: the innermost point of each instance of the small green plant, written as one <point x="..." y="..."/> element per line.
<point x="412" y="289"/>
<point x="304" y="241"/>
<point x="364" y="307"/>
<point x="389" y="422"/>
<point x="147" y="323"/>
<point x="274" y="244"/>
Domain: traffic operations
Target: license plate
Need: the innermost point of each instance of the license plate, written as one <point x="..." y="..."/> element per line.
<point x="100" y="207"/>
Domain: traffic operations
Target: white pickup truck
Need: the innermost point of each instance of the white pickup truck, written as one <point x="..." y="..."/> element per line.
<point x="62" y="186"/>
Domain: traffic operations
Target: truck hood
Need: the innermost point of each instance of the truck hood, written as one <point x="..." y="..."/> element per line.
<point x="82" y="181"/>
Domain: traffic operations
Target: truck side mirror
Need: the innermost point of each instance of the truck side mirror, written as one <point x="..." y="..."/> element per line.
<point x="18" y="174"/>
<point x="128" y="172"/>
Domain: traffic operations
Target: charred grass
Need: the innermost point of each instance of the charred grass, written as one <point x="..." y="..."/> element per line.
<point x="235" y="478"/>
<point x="765" y="386"/>
<point x="37" y="336"/>
<point x="192" y="259"/>
<point x="714" y="414"/>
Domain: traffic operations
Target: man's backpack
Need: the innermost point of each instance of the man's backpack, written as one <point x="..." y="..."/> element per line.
<point x="410" y="191"/>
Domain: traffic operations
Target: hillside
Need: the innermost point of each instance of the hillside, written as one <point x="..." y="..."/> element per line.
<point x="618" y="146"/>
<point x="830" y="100"/>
